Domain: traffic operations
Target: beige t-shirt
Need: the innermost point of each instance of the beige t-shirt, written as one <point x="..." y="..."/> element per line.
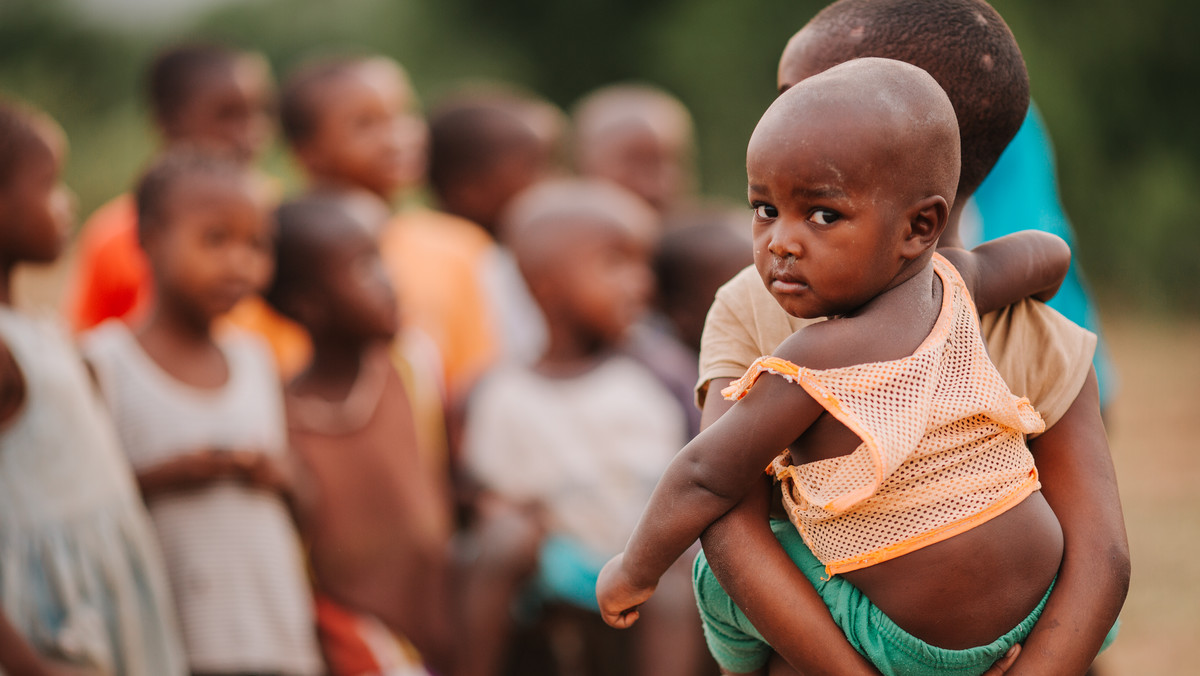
<point x="1041" y="354"/>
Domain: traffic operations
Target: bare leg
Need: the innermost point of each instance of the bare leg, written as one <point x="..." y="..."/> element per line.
<point x="502" y="554"/>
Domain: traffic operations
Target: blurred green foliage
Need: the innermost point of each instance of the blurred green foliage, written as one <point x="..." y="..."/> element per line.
<point x="1117" y="82"/>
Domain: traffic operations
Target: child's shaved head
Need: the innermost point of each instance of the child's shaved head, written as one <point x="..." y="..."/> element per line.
<point x="309" y="228"/>
<point x="638" y="136"/>
<point x="548" y="221"/>
<point x="23" y="130"/>
<point x="893" y="115"/>
<point x="963" y="44"/>
<point x="583" y="247"/>
<point x="304" y="90"/>
<point x="176" y="74"/>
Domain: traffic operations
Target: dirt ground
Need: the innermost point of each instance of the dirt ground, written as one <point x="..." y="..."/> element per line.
<point x="1158" y="468"/>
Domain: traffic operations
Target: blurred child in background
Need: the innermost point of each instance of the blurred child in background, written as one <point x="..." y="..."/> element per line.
<point x="639" y="137"/>
<point x="485" y="147"/>
<point x="352" y="126"/>
<point x="585" y="432"/>
<point x="376" y="511"/>
<point x="203" y="95"/>
<point x="692" y="260"/>
<point x="82" y="588"/>
<point x="201" y="417"/>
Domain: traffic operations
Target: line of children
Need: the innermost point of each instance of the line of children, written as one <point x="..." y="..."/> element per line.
<point x="353" y="128"/>
<point x="82" y="584"/>
<point x="200" y="417"/>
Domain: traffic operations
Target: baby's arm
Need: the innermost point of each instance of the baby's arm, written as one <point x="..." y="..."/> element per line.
<point x="1003" y="271"/>
<point x="706" y="479"/>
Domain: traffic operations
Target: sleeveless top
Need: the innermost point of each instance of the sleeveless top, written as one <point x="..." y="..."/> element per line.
<point x="233" y="555"/>
<point x="943" y="444"/>
<point x="81" y="577"/>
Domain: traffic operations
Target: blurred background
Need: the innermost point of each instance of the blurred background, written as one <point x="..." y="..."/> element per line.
<point x="1118" y="84"/>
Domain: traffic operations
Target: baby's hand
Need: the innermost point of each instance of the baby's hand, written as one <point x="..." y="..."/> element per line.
<point x="619" y="597"/>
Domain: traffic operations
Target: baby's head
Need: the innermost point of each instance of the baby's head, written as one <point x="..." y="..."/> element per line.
<point x="329" y="275"/>
<point x="36" y="209"/>
<point x="353" y="122"/>
<point x="584" y="247"/>
<point x="639" y="137"/>
<point x="963" y="44"/>
<point x="203" y="221"/>
<point x="851" y="175"/>
<point x="485" y="147"/>
<point x="212" y="96"/>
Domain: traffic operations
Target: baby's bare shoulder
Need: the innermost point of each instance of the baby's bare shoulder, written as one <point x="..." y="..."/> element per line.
<point x="836" y="343"/>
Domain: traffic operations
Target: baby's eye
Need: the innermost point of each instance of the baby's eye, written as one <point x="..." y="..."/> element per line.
<point x="765" y="212"/>
<point x="825" y="216"/>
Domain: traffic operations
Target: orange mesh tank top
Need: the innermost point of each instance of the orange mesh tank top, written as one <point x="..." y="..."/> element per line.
<point x="943" y="446"/>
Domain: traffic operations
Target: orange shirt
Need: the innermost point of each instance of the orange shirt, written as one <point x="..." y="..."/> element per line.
<point x="434" y="261"/>
<point x="113" y="277"/>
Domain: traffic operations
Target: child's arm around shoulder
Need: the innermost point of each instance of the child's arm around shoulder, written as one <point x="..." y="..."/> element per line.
<point x="1003" y="271"/>
<point x="708" y="478"/>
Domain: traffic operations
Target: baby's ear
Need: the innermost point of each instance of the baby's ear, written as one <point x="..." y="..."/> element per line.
<point x="927" y="220"/>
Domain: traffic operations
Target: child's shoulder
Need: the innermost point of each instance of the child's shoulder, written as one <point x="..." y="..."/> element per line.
<point x="248" y="351"/>
<point x="834" y="343"/>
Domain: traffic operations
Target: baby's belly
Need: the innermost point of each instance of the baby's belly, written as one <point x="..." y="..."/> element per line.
<point x="972" y="588"/>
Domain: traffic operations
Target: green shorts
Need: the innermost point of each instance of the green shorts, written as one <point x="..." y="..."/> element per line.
<point x="739" y="648"/>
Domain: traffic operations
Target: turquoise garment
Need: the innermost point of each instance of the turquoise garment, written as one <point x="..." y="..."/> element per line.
<point x="1021" y="193"/>
<point x="567" y="571"/>
<point x="739" y="648"/>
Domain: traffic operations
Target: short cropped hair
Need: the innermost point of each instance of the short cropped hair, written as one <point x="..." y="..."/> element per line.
<point x="169" y="171"/>
<point x="300" y="96"/>
<point x="302" y="232"/>
<point x="598" y="113"/>
<point x="173" y="75"/>
<point x="964" y="44"/>
<point x="470" y="133"/>
<point x="19" y="133"/>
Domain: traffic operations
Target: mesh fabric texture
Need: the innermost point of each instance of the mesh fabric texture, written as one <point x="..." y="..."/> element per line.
<point x="943" y="444"/>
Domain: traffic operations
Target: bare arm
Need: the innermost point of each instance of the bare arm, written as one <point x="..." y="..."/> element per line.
<point x="203" y="467"/>
<point x="1080" y="484"/>
<point x="1005" y="270"/>
<point x="706" y="479"/>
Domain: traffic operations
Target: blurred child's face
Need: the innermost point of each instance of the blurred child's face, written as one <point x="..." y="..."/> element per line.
<point x="231" y="109"/>
<point x="356" y="291"/>
<point x="35" y="207"/>
<point x="367" y="132"/>
<point x="652" y="164"/>
<point x="604" y="284"/>
<point x="214" y="248"/>
<point x="826" y="228"/>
